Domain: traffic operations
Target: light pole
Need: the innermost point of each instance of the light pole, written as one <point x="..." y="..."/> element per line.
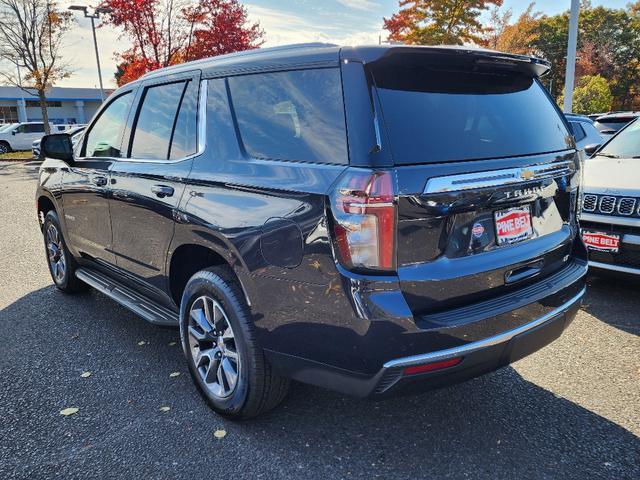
<point x="570" y="72"/>
<point x="93" y="17"/>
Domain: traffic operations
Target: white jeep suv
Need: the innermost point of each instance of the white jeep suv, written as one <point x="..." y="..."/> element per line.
<point x="610" y="219"/>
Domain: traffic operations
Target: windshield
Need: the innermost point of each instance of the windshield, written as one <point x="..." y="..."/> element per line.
<point x="625" y="144"/>
<point x="442" y="116"/>
<point x="613" y="124"/>
<point x="6" y="128"/>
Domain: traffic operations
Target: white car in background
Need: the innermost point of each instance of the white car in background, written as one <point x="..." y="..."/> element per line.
<point x="21" y="136"/>
<point x="610" y="219"/>
<point x="609" y="124"/>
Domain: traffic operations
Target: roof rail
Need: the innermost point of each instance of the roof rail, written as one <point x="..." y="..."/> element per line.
<point x="243" y="53"/>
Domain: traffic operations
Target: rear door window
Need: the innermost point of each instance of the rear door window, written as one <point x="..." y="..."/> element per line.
<point x="442" y="116"/>
<point x="154" y="123"/>
<point x="296" y="115"/>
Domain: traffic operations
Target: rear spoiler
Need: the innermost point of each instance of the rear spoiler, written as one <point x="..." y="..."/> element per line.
<point x="444" y="57"/>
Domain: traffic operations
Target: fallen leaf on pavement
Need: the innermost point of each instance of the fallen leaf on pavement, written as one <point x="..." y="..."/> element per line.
<point x="174" y="374"/>
<point x="171" y="344"/>
<point x="69" y="411"/>
<point x="142" y="342"/>
<point x="85" y="374"/>
<point x="220" y="434"/>
<point x="165" y="409"/>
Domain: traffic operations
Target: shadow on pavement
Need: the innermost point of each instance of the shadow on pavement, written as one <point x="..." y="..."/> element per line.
<point x="615" y="299"/>
<point x="497" y="426"/>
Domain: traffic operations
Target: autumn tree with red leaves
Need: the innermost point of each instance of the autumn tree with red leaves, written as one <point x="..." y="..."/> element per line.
<point x="168" y="32"/>
<point x="438" y="22"/>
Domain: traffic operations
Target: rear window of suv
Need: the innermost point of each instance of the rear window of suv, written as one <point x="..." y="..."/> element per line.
<point x="295" y="115"/>
<point x="442" y="116"/>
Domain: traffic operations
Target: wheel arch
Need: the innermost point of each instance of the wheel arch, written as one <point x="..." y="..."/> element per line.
<point x="188" y="258"/>
<point x="44" y="204"/>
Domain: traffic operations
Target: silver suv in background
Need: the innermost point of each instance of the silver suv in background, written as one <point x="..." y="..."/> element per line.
<point x="584" y="132"/>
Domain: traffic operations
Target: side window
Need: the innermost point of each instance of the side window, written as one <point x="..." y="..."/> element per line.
<point x="155" y="122"/>
<point x="21" y="129"/>
<point x="185" y="134"/>
<point x="578" y="131"/>
<point x="105" y="135"/>
<point x="296" y="115"/>
<point x="35" y="128"/>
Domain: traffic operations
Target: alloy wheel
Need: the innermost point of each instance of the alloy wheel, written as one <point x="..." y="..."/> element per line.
<point x="55" y="253"/>
<point x="213" y="347"/>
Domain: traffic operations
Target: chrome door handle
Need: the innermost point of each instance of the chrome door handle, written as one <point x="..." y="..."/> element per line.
<point x="99" y="181"/>
<point x="162" y="190"/>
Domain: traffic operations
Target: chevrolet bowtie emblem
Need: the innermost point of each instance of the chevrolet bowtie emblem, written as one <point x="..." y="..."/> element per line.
<point x="527" y="174"/>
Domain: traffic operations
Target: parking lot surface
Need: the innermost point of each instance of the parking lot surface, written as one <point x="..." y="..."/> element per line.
<point x="571" y="410"/>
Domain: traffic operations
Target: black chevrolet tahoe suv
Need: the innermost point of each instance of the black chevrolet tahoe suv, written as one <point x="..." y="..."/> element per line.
<point x="372" y="220"/>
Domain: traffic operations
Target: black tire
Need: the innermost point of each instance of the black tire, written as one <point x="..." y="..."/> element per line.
<point x="67" y="281"/>
<point x="4" y="147"/>
<point x="257" y="389"/>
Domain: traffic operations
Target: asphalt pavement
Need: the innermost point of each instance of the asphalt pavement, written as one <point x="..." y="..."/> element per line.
<point x="569" y="411"/>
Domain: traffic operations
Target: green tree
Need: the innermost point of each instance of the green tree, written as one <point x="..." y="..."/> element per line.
<point x="608" y="45"/>
<point x="592" y="95"/>
<point x="438" y="22"/>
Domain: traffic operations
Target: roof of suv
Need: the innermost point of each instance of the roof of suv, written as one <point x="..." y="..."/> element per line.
<point x="620" y="116"/>
<point x="323" y="54"/>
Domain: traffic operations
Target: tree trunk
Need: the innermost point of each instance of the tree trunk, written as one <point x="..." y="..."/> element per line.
<point x="45" y="113"/>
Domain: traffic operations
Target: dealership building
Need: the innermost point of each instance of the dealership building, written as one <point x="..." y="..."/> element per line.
<point x="65" y="105"/>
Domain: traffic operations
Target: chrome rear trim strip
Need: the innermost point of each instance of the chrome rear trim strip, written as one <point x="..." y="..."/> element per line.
<point x="498" y="178"/>
<point x="631" y="239"/>
<point x="615" y="268"/>
<point x="592" y="217"/>
<point x="487" y="342"/>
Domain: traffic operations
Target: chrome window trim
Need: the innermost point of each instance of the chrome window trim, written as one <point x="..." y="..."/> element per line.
<point x="201" y="137"/>
<point x="487" y="342"/>
<point x="610" y="219"/>
<point x="497" y="178"/>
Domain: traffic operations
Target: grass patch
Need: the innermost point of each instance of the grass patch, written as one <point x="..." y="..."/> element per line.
<point x="25" y="155"/>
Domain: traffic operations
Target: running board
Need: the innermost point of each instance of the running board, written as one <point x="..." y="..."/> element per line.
<point x="128" y="298"/>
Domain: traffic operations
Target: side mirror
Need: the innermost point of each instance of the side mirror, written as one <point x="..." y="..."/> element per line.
<point x="58" y="146"/>
<point x="13" y="132"/>
<point x="591" y="148"/>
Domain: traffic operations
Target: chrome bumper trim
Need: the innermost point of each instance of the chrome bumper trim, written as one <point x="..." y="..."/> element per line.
<point x="612" y="219"/>
<point x="480" y="344"/>
<point x="615" y="268"/>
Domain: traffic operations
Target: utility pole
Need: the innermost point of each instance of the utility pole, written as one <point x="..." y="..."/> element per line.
<point x="93" y="17"/>
<point x="570" y="73"/>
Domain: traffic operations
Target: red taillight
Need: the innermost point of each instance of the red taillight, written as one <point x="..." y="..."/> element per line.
<point x="430" y="367"/>
<point x="364" y="211"/>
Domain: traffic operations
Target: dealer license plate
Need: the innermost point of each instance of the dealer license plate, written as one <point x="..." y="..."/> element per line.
<point x="601" y="241"/>
<point x="513" y="225"/>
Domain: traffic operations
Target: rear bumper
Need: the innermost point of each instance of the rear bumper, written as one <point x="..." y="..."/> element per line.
<point x="484" y="336"/>
<point x="481" y="356"/>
